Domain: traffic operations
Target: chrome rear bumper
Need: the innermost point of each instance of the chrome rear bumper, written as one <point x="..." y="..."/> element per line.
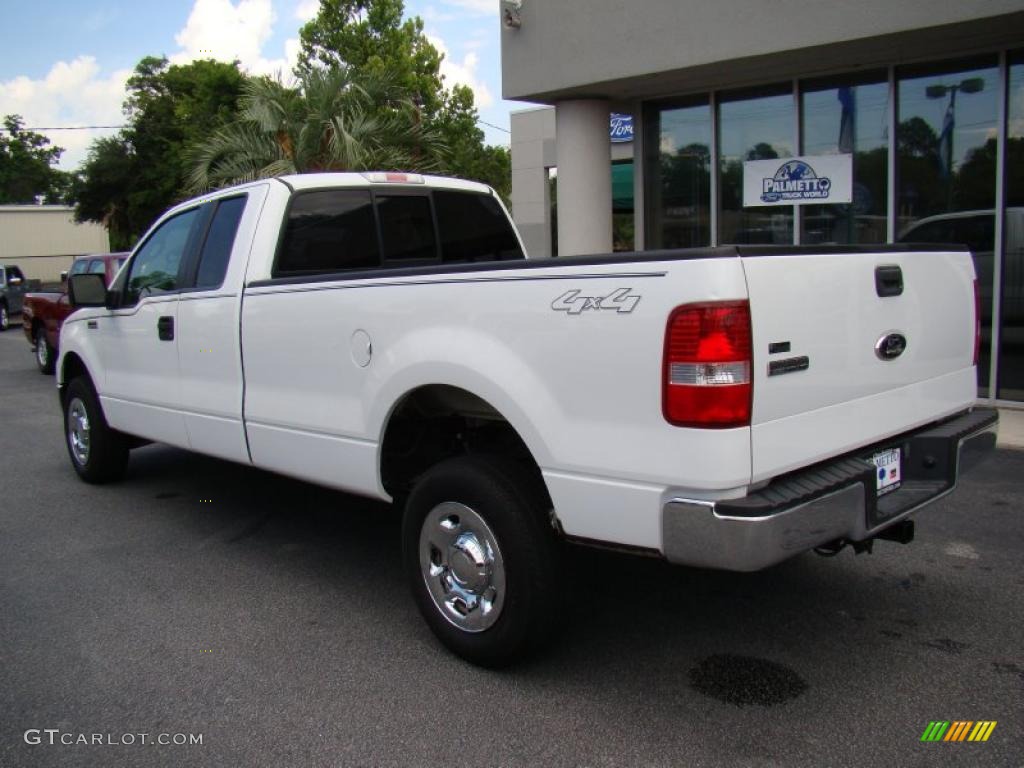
<point x="829" y="502"/>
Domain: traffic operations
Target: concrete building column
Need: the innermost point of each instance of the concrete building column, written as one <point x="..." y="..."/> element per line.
<point x="533" y="152"/>
<point x="584" y="177"/>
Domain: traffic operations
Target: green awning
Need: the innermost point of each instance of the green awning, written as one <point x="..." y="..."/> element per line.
<point x="622" y="187"/>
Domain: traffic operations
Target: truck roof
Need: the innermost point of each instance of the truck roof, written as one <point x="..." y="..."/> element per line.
<point x="383" y="178"/>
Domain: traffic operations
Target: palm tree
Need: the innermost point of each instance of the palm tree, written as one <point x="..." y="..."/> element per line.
<point x="331" y="120"/>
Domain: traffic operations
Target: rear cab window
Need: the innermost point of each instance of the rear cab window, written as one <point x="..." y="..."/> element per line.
<point x="339" y="230"/>
<point x="406" y="228"/>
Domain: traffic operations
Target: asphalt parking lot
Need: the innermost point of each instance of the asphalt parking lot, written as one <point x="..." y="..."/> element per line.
<point x="269" y="616"/>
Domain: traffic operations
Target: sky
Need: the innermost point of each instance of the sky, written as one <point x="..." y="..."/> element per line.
<point x="65" y="62"/>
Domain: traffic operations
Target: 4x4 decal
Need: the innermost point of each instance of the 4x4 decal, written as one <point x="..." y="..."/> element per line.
<point x="618" y="300"/>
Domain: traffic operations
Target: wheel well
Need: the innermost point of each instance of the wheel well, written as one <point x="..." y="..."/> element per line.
<point x="438" y="422"/>
<point x="73" y="368"/>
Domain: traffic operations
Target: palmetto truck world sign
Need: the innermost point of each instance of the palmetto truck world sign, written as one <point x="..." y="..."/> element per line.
<point x="806" y="180"/>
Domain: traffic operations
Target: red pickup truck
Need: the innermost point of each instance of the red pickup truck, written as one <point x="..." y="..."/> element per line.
<point x="43" y="312"/>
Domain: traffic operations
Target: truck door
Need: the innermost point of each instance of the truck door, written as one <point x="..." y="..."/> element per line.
<point x="209" y="347"/>
<point x="15" y="289"/>
<point x="137" y="342"/>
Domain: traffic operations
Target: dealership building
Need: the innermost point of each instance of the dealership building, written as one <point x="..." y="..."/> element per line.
<point x="793" y="122"/>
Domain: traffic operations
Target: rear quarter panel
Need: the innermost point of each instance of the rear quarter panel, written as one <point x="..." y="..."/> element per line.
<point x="582" y="389"/>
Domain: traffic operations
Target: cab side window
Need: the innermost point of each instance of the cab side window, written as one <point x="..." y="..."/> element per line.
<point x="328" y="231"/>
<point x="220" y="239"/>
<point x="97" y="267"/>
<point x="156" y="264"/>
<point x="79" y="267"/>
<point x="474" y="228"/>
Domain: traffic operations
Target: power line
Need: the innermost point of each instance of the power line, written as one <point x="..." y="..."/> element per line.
<point x="67" y="128"/>
<point x="118" y="127"/>
<point x="492" y="125"/>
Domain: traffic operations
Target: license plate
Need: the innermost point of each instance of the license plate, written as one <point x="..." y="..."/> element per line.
<point x="887" y="472"/>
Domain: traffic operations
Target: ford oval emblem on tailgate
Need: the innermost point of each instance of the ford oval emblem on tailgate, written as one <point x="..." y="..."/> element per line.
<point x="890" y="346"/>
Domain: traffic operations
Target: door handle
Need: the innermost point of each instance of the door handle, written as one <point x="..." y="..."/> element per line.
<point x="165" y="328"/>
<point x="888" y="280"/>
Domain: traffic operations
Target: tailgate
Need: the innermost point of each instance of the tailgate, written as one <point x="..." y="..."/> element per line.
<point x="831" y="391"/>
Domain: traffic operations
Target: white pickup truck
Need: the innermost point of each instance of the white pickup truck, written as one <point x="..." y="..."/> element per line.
<point x="383" y="334"/>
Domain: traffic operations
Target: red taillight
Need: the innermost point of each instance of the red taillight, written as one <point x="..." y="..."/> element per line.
<point x="706" y="381"/>
<point x="977" y="322"/>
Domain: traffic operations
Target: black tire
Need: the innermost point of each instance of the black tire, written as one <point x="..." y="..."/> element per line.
<point x="105" y="454"/>
<point x="512" y="505"/>
<point x="5" y="317"/>
<point x="46" y="356"/>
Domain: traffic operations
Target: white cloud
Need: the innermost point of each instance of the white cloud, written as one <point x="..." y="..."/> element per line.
<point x="475" y="7"/>
<point x="463" y="73"/>
<point x="431" y="14"/>
<point x="307" y="9"/>
<point x="225" y="31"/>
<point x="72" y="93"/>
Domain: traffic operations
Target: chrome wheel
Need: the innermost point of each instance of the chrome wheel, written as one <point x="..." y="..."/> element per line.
<point x="5" y="319"/>
<point x="42" y="349"/>
<point x="462" y="566"/>
<point x="78" y="431"/>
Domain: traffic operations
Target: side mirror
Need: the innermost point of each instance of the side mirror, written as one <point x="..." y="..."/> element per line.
<point x="87" y="290"/>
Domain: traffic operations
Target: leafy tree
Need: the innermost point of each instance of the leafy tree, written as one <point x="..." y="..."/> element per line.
<point x="128" y="180"/>
<point x="27" y="162"/>
<point x="371" y="37"/>
<point x="332" y="120"/>
<point x="762" y="151"/>
<point x="468" y="156"/>
<point x="102" y="190"/>
<point x="923" y="188"/>
<point x="916" y="138"/>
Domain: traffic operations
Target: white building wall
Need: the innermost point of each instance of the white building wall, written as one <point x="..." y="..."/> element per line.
<point x="43" y="239"/>
<point x="619" y="50"/>
<point x="534" y="153"/>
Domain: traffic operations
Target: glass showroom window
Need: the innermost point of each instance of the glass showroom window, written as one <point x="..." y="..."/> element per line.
<point x="849" y="117"/>
<point x="678" y="185"/>
<point x="753" y="127"/>
<point x="1011" y="344"/>
<point x="946" y="169"/>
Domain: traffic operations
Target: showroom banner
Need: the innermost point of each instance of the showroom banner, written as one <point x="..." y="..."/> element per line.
<point x="816" y="180"/>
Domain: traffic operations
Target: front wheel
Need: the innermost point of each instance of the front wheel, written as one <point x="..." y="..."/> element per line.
<point x="98" y="453"/>
<point x="481" y="558"/>
<point x="46" y="356"/>
<point x="5" y="318"/>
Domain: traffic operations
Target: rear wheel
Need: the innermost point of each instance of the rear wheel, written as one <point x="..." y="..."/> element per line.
<point x="5" y="318"/>
<point x="481" y="558"/>
<point x="98" y="453"/>
<point x="46" y="356"/>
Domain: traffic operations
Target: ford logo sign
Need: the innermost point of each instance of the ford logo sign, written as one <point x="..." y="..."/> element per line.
<point x="620" y="128"/>
<point x="890" y="346"/>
